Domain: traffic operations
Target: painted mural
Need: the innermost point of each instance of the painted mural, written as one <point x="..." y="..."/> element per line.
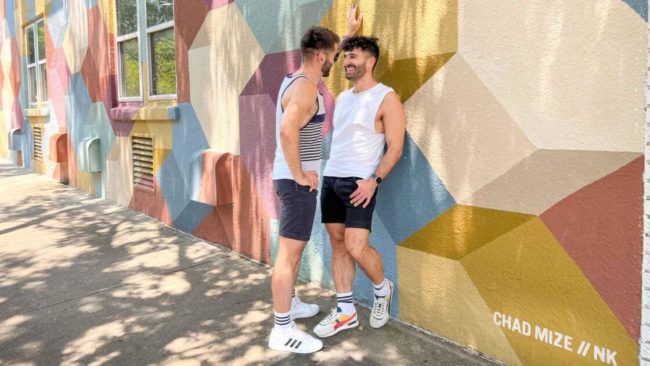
<point x="512" y="225"/>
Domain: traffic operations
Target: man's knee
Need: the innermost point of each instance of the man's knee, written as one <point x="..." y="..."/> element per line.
<point x="356" y="248"/>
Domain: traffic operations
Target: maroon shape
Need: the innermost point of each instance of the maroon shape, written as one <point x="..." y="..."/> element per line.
<point x="97" y="68"/>
<point x="600" y="227"/>
<point x="243" y="227"/>
<point x="188" y="17"/>
<point x="257" y="145"/>
<point x="151" y="203"/>
<point x="268" y="76"/>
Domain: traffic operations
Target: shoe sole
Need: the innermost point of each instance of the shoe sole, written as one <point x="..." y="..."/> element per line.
<point x="350" y="325"/>
<point x="304" y="316"/>
<point x="390" y="305"/>
<point x="292" y="350"/>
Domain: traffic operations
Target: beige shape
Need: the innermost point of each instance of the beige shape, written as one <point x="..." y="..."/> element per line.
<point x="119" y="172"/>
<point x="545" y="178"/>
<point x="570" y="73"/>
<point x="75" y="41"/>
<point x="218" y="74"/>
<point x="437" y="294"/>
<point x="467" y="136"/>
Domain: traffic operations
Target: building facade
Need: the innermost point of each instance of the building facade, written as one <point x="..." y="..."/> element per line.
<point x="513" y="223"/>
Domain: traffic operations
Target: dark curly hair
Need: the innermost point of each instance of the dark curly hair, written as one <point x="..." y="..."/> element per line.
<point x="318" y="39"/>
<point x="368" y="44"/>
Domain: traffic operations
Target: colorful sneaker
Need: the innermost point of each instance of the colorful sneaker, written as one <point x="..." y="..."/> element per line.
<point x="335" y="322"/>
<point x="381" y="308"/>
<point x="294" y="340"/>
<point x="300" y="310"/>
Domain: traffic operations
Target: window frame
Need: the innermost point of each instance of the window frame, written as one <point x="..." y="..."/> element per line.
<point x="38" y="97"/>
<point x="150" y="31"/>
<point x="118" y="55"/>
<point x="143" y="31"/>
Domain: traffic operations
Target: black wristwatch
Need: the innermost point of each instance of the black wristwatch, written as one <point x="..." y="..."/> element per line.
<point x="376" y="178"/>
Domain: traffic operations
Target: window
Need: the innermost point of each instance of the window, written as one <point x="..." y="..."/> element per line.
<point x="36" y="65"/>
<point x="156" y="17"/>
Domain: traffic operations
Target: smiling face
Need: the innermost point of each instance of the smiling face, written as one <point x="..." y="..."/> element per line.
<point x="356" y="63"/>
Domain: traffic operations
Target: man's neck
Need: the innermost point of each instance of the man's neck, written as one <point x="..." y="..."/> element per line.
<point x="363" y="84"/>
<point x="314" y="74"/>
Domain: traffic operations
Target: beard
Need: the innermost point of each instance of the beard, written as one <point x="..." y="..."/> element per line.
<point x="327" y="66"/>
<point x="357" y="72"/>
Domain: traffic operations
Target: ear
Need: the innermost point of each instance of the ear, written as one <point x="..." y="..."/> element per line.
<point x="371" y="62"/>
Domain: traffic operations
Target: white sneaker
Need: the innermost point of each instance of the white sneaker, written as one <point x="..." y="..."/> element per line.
<point x="336" y="322"/>
<point x="381" y="308"/>
<point x="300" y="310"/>
<point x="293" y="340"/>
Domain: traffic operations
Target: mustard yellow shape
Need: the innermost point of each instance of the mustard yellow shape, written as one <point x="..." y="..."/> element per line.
<point x="463" y="229"/>
<point x="417" y="30"/>
<point x="527" y="275"/>
<point x="436" y="294"/>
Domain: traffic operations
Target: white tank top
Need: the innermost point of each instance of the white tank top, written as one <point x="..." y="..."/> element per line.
<point x="356" y="148"/>
<point x="311" y="136"/>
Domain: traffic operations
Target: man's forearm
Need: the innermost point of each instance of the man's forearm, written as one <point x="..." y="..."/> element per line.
<point x="291" y="148"/>
<point x="391" y="157"/>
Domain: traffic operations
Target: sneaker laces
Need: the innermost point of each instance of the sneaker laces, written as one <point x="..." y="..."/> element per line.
<point x="379" y="307"/>
<point x="333" y="316"/>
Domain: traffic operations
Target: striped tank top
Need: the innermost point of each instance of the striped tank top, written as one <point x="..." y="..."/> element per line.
<point x="311" y="136"/>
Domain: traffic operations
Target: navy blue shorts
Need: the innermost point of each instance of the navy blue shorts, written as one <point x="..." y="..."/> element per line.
<point x="336" y="207"/>
<point x="297" y="209"/>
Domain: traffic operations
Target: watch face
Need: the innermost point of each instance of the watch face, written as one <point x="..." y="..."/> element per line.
<point x="378" y="180"/>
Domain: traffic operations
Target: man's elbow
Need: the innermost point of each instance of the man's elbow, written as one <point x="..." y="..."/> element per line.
<point x="396" y="150"/>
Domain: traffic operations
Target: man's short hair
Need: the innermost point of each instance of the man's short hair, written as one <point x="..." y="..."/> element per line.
<point x="368" y="44"/>
<point x="318" y="39"/>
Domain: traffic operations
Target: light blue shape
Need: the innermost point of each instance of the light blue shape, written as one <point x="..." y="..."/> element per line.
<point x="10" y="14"/>
<point x="275" y="239"/>
<point x="97" y="123"/>
<point x="30" y="7"/>
<point x="57" y="5"/>
<point x="90" y="3"/>
<point x="640" y="6"/>
<point x="279" y="25"/>
<point x="172" y="186"/>
<point x="28" y="145"/>
<point x="89" y="155"/>
<point x="51" y="127"/>
<point x="188" y="141"/>
<point x="57" y="22"/>
<point x="192" y="215"/>
<point x="23" y="96"/>
<point x="412" y="195"/>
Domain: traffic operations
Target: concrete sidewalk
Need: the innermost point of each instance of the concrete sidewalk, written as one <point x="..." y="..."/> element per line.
<point x="83" y="281"/>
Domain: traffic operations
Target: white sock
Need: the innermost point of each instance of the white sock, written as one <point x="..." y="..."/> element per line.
<point x="283" y="320"/>
<point x="382" y="289"/>
<point x="294" y="299"/>
<point x="345" y="302"/>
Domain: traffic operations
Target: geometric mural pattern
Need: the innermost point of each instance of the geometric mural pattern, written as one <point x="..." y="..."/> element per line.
<point x="518" y="194"/>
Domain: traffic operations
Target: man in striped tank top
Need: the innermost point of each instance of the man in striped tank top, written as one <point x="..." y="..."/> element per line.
<point x="367" y="118"/>
<point x="300" y="116"/>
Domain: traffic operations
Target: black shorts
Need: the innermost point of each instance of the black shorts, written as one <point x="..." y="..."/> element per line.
<point x="336" y="207"/>
<point x="297" y="209"/>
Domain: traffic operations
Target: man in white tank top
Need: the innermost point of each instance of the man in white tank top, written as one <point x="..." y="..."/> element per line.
<point x="367" y="118"/>
<point x="300" y="116"/>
